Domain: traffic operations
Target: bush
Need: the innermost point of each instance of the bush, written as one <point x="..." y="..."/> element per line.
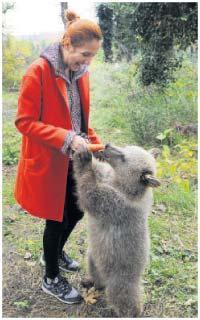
<point x="150" y="112"/>
<point x="17" y="55"/>
<point x="177" y="168"/>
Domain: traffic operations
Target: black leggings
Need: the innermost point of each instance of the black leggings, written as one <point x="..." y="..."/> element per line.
<point x="56" y="233"/>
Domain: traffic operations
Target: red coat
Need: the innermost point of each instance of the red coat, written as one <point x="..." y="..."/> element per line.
<point x="43" y="118"/>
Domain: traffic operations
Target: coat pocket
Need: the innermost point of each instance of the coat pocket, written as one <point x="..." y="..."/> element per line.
<point x="39" y="163"/>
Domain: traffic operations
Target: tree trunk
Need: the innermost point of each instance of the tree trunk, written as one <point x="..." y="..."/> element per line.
<point x="64" y="6"/>
<point x="105" y="15"/>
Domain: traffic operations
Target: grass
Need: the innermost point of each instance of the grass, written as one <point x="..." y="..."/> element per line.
<point x="11" y="138"/>
<point x="173" y="267"/>
<point x="108" y="103"/>
<point x="138" y="114"/>
<point x="170" y="282"/>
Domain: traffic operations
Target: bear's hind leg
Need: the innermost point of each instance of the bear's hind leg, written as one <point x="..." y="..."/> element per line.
<point x="124" y="296"/>
<point x="94" y="274"/>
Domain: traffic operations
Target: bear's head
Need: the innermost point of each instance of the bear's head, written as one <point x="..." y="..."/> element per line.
<point x="135" y="168"/>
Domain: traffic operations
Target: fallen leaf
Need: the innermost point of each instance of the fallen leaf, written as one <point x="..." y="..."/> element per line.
<point x="27" y="256"/>
<point x="90" y="299"/>
<point x="91" y="296"/>
<point x="91" y="290"/>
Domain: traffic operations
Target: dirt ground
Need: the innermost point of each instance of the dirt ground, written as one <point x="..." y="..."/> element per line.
<point x="22" y="293"/>
<point x="22" y="282"/>
<point x="22" y="278"/>
<point x="22" y="274"/>
<point x="23" y="296"/>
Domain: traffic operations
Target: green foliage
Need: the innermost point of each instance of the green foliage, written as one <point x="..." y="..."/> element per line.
<point x="126" y="110"/>
<point x="11" y="141"/>
<point x="8" y="197"/>
<point x="11" y="137"/>
<point x="174" y="230"/>
<point x="162" y="26"/>
<point x="177" y="168"/>
<point x="108" y="99"/>
<point x="182" y="170"/>
<point x="125" y="41"/>
<point x="152" y="111"/>
<point x="22" y="304"/>
<point x="17" y="54"/>
<point x="157" y="31"/>
<point x="166" y="135"/>
<point x="99" y="57"/>
<point x="33" y="246"/>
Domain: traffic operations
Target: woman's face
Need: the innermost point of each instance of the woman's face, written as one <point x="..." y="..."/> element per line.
<point x="75" y="57"/>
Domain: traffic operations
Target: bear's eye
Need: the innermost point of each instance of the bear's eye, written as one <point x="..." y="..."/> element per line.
<point x="146" y="171"/>
<point x="144" y="175"/>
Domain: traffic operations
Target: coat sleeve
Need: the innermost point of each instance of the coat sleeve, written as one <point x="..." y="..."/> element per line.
<point x="28" y="115"/>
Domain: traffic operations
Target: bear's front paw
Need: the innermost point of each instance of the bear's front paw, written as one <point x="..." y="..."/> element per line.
<point x="82" y="158"/>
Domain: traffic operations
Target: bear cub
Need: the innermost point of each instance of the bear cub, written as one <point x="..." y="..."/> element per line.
<point x="117" y="195"/>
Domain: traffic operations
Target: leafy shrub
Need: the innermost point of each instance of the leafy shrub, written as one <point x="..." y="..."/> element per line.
<point x="180" y="164"/>
<point x="150" y="112"/>
<point x="177" y="168"/>
<point x="17" y="55"/>
<point x="156" y="30"/>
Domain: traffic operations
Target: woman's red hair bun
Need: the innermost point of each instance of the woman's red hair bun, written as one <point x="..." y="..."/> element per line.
<point x="71" y="16"/>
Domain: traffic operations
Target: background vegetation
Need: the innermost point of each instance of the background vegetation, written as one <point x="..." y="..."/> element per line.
<point x="157" y="30"/>
<point x="124" y="111"/>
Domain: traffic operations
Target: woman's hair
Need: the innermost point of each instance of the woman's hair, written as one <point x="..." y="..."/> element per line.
<point x="78" y="31"/>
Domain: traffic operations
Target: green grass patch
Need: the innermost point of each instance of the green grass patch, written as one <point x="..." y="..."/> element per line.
<point x="11" y="143"/>
<point x="8" y="187"/>
<point x="11" y="137"/>
<point x="142" y="113"/>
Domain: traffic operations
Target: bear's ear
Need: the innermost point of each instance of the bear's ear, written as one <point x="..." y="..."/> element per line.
<point x="150" y="180"/>
<point x="155" y="152"/>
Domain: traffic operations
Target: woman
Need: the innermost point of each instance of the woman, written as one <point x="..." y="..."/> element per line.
<point x="53" y="112"/>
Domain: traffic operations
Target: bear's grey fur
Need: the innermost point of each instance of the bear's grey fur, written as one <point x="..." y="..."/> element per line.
<point x="118" y="198"/>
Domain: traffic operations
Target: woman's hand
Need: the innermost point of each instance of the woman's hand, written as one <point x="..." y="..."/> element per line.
<point x="78" y="144"/>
